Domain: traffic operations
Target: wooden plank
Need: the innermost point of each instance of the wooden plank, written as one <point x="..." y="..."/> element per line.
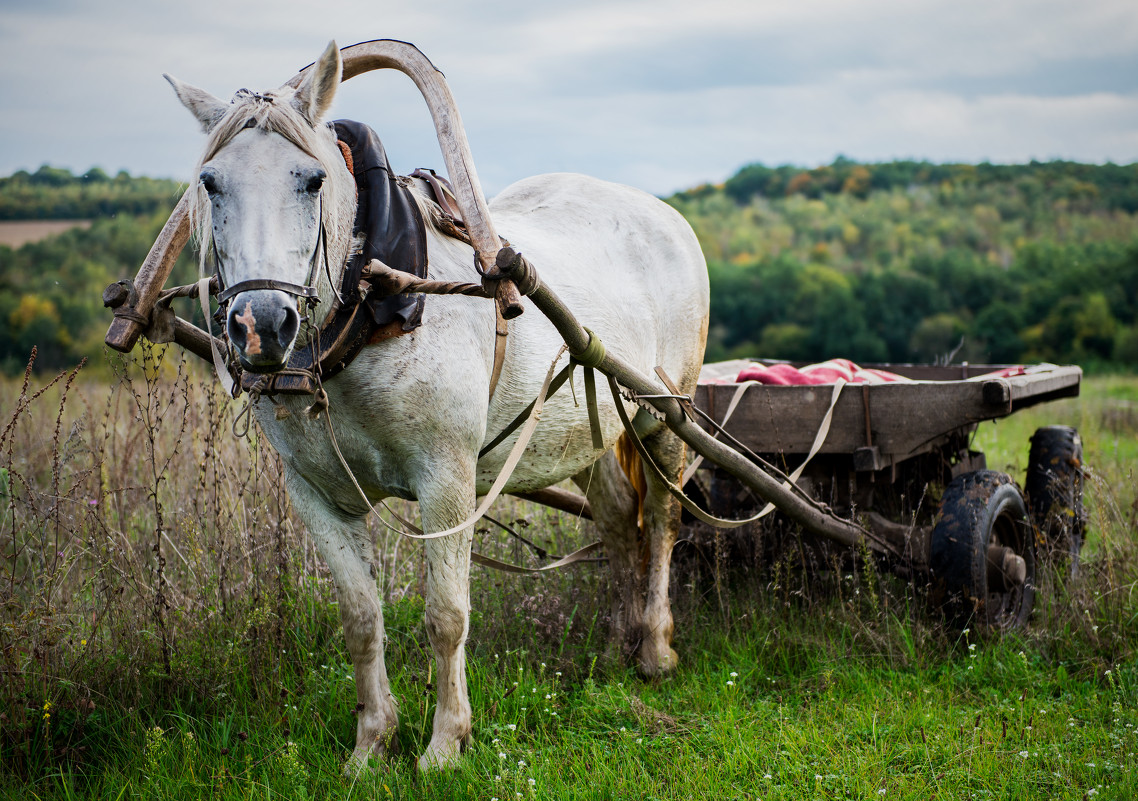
<point x="903" y="416"/>
<point x="1028" y="390"/>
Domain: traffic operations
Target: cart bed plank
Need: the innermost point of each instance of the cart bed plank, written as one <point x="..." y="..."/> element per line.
<point x="904" y="417"/>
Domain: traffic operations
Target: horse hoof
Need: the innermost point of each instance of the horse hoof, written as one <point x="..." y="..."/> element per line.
<point x="366" y="759"/>
<point x="657" y="662"/>
<point x="442" y="755"/>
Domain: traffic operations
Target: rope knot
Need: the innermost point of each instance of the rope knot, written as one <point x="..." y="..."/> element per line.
<point x="319" y="405"/>
<point x="513" y="265"/>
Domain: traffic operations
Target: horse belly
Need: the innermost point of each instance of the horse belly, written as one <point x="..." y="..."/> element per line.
<point x="629" y="267"/>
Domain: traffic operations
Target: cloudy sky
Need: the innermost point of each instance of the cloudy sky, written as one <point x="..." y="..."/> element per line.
<point x="661" y="94"/>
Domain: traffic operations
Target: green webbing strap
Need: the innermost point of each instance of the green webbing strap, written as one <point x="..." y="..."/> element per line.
<point x="558" y="380"/>
<point x="593" y="354"/>
<point x="594" y="414"/>
<point x="589" y="358"/>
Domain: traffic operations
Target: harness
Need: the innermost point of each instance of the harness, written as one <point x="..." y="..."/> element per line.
<point x="391" y="228"/>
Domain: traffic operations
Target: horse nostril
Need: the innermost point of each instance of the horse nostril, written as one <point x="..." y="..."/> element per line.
<point x="287" y="326"/>
<point x="236" y="332"/>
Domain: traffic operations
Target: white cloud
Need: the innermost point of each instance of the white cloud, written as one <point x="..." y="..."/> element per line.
<point x="658" y="93"/>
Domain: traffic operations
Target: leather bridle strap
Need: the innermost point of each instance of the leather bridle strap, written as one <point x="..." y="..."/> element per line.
<point x="501" y="332"/>
<point x="308" y="292"/>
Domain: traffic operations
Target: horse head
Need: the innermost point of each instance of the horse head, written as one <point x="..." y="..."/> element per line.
<point x="274" y="206"/>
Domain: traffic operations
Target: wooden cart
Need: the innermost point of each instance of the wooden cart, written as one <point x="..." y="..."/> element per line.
<point x="898" y="455"/>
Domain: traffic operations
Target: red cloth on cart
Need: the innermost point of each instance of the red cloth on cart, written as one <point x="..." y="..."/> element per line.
<point x="824" y="373"/>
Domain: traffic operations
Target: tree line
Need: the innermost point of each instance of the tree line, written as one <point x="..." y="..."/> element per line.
<point x="52" y="193"/>
<point x="903" y="261"/>
<point x="911" y="261"/>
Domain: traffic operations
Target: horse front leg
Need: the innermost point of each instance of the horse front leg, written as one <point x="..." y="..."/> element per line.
<point x="346" y="547"/>
<point x="448" y="613"/>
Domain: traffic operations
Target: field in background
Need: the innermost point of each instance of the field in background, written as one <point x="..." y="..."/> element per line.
<point x="167" y="630"/>
<point x="16" y="233"/>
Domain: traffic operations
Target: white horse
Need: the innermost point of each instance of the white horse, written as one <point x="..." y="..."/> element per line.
<point x="411" y="413"/>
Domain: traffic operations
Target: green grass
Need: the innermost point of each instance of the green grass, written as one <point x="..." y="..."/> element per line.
<point x="801" y="686"/>
<point x="752" y="712"/>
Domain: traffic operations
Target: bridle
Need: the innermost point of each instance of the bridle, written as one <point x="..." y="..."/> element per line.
<point x="307" y="291"/>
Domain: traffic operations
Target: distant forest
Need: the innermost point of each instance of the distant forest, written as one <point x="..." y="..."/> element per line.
<point x="901" y="261"/>
<point x="51" y="193"/>
<point x="917" y="262"/>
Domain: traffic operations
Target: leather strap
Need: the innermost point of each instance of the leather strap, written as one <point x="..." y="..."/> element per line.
<point x="267" y="283"/>
<point x="524" y="414"/>
<point x="218" y="363"/>
<point x="577" y="556"/>
<point x="443" y="193"/>
<point x="501" y="333"/>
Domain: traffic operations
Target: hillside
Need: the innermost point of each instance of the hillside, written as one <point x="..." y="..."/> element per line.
<point x="910" y="261"/>
<point x="903" y="261"/>
<point x="51" y="193"/>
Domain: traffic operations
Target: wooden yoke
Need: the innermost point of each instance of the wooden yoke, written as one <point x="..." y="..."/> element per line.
<point x="408" y="59"/>
<point x="358" y="59"/>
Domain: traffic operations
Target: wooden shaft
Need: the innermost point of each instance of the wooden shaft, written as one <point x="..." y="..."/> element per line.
<point x="764" y="485"/>
<point x="195" y="340"/>
<point x="557" y="498"/>
<point x="124" y="333"/>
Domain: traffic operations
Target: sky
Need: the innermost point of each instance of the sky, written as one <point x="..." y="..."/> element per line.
<point x="660" y="94"/>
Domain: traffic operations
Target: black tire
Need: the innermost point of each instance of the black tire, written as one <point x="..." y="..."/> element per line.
<point x="978" y="511"/>
<point x="1054" y="490"/>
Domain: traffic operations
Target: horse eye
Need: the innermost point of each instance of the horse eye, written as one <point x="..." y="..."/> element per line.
<point x="210" y="182"/>
<point x="314" y="181"/>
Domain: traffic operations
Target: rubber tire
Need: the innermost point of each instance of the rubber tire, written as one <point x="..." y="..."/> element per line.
<point x="979" y="509"/>
<point x="1054" y="490"/>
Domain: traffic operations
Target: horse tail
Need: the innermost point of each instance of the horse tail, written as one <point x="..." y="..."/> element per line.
<point x="629" y="459"/>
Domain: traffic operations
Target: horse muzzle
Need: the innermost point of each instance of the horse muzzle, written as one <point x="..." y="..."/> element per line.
<point x="262" y="325"/>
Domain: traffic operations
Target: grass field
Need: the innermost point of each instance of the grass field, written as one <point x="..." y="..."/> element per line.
<point x="16" y="233"/>
<point x="167" y="631"/>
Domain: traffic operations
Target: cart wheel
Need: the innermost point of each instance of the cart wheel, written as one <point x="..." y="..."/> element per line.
<point x="1054" y="490"/>
<point x="983" y="552"/>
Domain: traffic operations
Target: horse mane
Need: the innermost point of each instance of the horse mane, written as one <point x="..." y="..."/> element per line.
<point x="430" y="210"/>
<point x="271" y="112"/>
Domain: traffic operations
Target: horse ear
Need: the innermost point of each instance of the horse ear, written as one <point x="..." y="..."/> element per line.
<point x="314" y="95"/>
<point x="204" y="106"/>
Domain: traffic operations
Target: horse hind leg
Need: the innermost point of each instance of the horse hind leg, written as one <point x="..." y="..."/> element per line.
<point x="340" y="541"/>
<point x="616" y="511"/>
<point x="661" y="527"/>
